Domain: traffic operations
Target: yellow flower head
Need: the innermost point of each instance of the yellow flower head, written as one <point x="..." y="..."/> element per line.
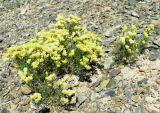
<point x="64" y="100"/>
<point x="36" y="97"/>
<point x="72" y="52"/>
<point x="124" y="28"/>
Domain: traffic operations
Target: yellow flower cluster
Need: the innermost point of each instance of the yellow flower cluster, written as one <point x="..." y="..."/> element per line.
<point x="129" y="39"/>
<point x="66" y="90"/>
<point x="24" y="76"/>
<point x="148" y="31"/>
<point x="36" y="97"/>
<point x="67" y="47"/>
<point x="50" y="78"/>
<point x="130" y="46"/>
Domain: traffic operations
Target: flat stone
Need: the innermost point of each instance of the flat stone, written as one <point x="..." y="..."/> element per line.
<point x="136" y="98"/>
<point x="94" y="96"/>
<point x="25" y="89"/>
<point x="25" y="101"/>
<point x="135" y="14"/>
<point x="104" y="83"/>
<point x="108" y="62"/>
<point x="157" y="41"/>
<point x="114" y="72"/>
<point x="80" y="99"/>
<point x="128" y="93"/>
<point x="1" y="38"/>
<point x="110" y="92"/>
<point x="95" y="81"/>
<point x="4" y="110"/>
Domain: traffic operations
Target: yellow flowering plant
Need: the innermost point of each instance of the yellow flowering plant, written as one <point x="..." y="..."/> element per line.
<point x="129" y="47"/>
<point x="66" y="48"/>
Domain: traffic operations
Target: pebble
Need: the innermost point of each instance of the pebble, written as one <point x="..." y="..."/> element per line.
<point x="25" y="89"/>
<point x="104" y="83"/>
<point x="136" y="98"/>
<point x="135" y="14"/>
<point x="114" y="72"/>
<point x="4" y="110"/>
<point x="80" y="100"/>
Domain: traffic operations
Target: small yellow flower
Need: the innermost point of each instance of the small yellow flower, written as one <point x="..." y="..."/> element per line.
<point x="122" y="40"/>
<point x="124" y="28"/>
<point x="64" y="85"/>
<point x="127" y="47"/>
<point x="66" y="78"/>
<point x="29" y="61"/>
<point x="36" y="97"/>
<point x="64" y="53"/>
<point x="28" y="79"/>
<point x="50" y="77"/>
<point x="145" y="35"/>
<point x="72" y="52"/>
<point x="64" y="100"/>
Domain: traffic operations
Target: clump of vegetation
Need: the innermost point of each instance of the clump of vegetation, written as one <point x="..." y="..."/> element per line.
<point x="129" y="47"/>
<point x="67" y="48"/>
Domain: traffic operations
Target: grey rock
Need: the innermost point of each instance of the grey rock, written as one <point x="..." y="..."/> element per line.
<point x="1" y="38"/>
<point x="77" y="112"/>
<point x="114" y="72"/>
<point x="142" y="82"/>
<point x="74" y="81"/>
<point x="80" y="99"/>
<point x="154" y="54"/>
<point x="128" y="93"/>
<point x="109" y="92"/>
<point x="94" y="96"/>
<point x="112" y="84"/>
<point x="25" y="101"/>
<point x="98" y="89"/>
<point x="157" y="41"/>
<point x="4" y="110"/>
<point x="95" y="81"/>
<point x="108" y="62"/>
<point x="137" y="110"/>
<point x="134" y="14"/>
<point x="127" y="111"/>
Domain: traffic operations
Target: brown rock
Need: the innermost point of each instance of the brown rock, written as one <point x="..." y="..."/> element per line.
<point x="26" y="90"/>
<point x="136" y="98"/>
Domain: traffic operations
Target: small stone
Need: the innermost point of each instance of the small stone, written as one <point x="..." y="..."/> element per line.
<point x="127" y="111"/>
<point x="74" y="81"/>
<point x="110" y="93"/>
<point x="135" y="14"/>
<point x="73" y="100"/>
<point x="150" y="99"/>
<point x="4" y="110"/>
<point x="104" y="83"/>
<point x="136" y="98"/>
<point x="94" y="96"/>
<point x="142" y="82"/>
<point x="80" y="99"/>
<point x="1" y="38"/>
<point x="45" y="110"/>
<point x="26" y="90"/>
<point x="108" y="62"/>
<point x="95" y="81"/>
<point x="114" y="72"/>
<point x="128" y="93"/>
<point x="141" y="90"/>
<point x="98" y="89"/>
<point x="26" y="101"/>
<point x="157" y="42"/>
<point x="76" y="112"/>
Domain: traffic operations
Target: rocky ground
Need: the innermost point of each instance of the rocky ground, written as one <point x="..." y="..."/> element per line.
<point x="118" y="89"/>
